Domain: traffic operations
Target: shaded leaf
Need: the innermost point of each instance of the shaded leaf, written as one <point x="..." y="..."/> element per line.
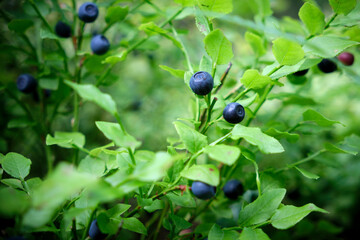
<point x="16" y="165"/>
<point x="218" y="47"/>
<point x="193" y="140"/>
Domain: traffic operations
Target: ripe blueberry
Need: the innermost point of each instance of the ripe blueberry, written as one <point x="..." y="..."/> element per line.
<point x="99" y="44"/>
<point x="346" y="58"/>
<point x="233" y="189"/>
<point x="327" y="66"/>
<point x="301" y="73"/>
<point x="234" y="113"/>
<point x="26" y="83"/>
<point x="201" y="83"/>
<point x="94" y="231"/>
<point x="202" y="190"/>
<point x="88" y="12"/>
<point x="62" y="29"/>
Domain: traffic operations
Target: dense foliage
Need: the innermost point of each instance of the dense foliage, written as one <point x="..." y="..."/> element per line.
<point x="184" y="119"/>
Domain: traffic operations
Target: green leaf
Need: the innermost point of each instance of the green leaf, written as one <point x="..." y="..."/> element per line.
<point x="290" y="137"/>
<point x="92" y="93"/>
<point x="313" y="116"/>
<point x="256" y="43"/>
<point x="62" y="183"/>
<point x="179" y="223"/>
<point x="20" y="25"/>
<point x="288" y="216"/>
<point x="287" y="52"/>
<point x="118" y="57"/>
<point x="207" y="173"/>
<point x="193" y="140"/>
<point x="185" y="3"/>
<point x="16" y="165"/>
<point x="223" y="153"/>
<point x="335" y="149"/>
<point x="307" y="174"/>
<point x="66" y="139"/>
<point x="94" y="166"/>
<point x="108" y="224"/>
<point x="113" y="132"/>
<point x="13" y="182"/>
<point x="216" y="233"/>
<point x="20" y="123"/>
<point x="153" y="169"/>
<point x="47" y="34"/>
<point x="155" y="205"/>
<point x="13" y="202"/>
<point x="218" y="47"/>
<point x="49" y="83"/>
<point x="302" y="65"/>
<point x="175" y="72"/>
<point x="342" y="6"/>
<point x="182" y="199"/>
<point x="254" y="136"/>
<point x="327" y="46"/>
<point x="223" y="6"/>
<point x="134" y="225"/>
<point x="202" y="22"/>
<point x="313" y="18"/>
<point x="252" y="79"/>
<point x="116" y="14"/>
<point x="261" y="7"/>
<point x="262" y="208"/>
<point x="151" y="28"/>
<point x="118" y="210"/>
<point x="253" y="234"/>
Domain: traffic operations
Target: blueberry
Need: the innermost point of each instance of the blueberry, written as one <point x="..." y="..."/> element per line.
<point x="99" y="44"/>
<point x="26" y="83"/>
<point x="346" y="58"/>
<point x="202" y="190"/>
<point x="234" y="113"/>
<point x="233" y="189"/>
<point x="201" y="83"/>
<point x="88" y="12"/>
<point x="94" y="231"/>
<point x="301" y="73"/>
<point x="327" y="66"/>
<point x="62" y="29"/>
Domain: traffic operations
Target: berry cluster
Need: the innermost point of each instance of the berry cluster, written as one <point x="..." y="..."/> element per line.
<point x="232" y="190"/>
<point x="88" y="12"/>
<point x="325" y="66"/>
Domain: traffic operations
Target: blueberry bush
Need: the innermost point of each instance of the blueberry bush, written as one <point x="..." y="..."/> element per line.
<point x="184" y="119"/>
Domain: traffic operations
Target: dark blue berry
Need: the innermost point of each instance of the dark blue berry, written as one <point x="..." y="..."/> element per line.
<point x="94" y="231"/>
<point x="62" y="29"/>
<point x="301" y="73"/>
<point x="201" y="83"/>
<point x="233" y="189"/>
<point x="99" y="44"/>
<point x="234" y="113"/>
<point x="88" y="12"/>
<point x="202" y="190"/>
<point x="327" y="66"/>
<point x="26" y="83"/>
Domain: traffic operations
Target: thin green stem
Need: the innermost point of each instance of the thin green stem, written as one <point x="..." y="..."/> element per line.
<point x="131" y="156"/>
<point x="304" y="160"/>
<point x="52" y="31"/>
<point x="119" y="122"/>
<point x="100" y="80"/>
<point x="327" y="25"/>
<point x="85" y="233"/>
<point x="184" y="50"/>
<point x="240" y="95"/>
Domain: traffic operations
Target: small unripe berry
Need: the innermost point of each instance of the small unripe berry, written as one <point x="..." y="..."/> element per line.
<point x="88" y="12"/>
<point x="201" y="83"/>
<point x="26" y="83"/>
<point x="62" y="29"/>
<point x="202" y="190"/>
<point x="327" y="66"/>
<point x="233" y="189"/>
<point x="99" y="44"/>
<point x="346" y="58"/>
<point x="234" y="113"/>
